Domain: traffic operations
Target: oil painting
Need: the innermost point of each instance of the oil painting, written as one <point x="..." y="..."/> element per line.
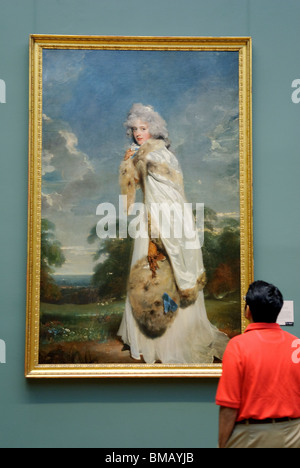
<point x="140" y="204"/>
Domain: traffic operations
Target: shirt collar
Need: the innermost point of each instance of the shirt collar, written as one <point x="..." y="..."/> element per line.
<point x="262" y="326"/>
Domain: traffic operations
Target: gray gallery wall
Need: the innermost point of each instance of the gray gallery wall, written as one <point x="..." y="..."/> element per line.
<point x="143" y="413"/>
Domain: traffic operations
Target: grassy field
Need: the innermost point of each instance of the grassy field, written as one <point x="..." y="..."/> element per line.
<point x="87" y="322"/>
<point x="67" y="329"/>
<point x="100" y="321"/>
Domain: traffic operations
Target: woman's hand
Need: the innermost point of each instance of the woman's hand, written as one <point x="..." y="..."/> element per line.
<point x="129" y="153"/>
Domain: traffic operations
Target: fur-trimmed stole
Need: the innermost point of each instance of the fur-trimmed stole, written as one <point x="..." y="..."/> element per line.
<point x="134" y="170"/>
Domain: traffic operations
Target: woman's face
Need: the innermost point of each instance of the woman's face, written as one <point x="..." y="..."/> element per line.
<point x="140" y="132"/>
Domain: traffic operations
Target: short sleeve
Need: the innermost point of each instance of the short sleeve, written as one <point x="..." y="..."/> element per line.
<point x="230" y="385"/>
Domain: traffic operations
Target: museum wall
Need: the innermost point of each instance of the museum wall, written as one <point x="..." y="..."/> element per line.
<point x="143" y="413"/>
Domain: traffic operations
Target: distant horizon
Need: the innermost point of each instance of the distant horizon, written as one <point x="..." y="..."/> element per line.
<point x="72" y="274"/>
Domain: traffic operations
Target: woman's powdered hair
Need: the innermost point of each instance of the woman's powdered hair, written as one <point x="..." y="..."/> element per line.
<point x="157" y="125"/>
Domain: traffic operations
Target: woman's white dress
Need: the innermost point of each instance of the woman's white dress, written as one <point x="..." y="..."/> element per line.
<point x="191" y="338"/>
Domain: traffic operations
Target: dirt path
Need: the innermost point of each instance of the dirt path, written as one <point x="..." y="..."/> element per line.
<point x="90" y="352"/>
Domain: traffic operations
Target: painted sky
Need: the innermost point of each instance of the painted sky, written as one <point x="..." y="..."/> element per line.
<point x="86" y="98"/>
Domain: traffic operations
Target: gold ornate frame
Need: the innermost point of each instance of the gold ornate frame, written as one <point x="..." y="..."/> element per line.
<point x="39" y="42"/>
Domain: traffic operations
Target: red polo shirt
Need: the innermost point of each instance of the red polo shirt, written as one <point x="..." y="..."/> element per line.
<point x="261" y="374"/>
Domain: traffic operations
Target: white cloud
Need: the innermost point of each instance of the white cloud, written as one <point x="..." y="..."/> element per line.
<point x="72" y="175"/>
<point x="80" y="158"/>
<point x="47" y="167"/>
<point x="52" y="202"/>
<point x="46" y="118"/>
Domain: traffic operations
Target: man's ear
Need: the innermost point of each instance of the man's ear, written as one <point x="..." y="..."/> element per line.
<point x="248" y="314"/>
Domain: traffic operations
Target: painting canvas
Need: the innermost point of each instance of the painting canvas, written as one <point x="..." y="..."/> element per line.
<point x="177" y="112"/>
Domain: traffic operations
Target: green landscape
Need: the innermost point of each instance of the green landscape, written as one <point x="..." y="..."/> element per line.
<point x="79" y="320"/>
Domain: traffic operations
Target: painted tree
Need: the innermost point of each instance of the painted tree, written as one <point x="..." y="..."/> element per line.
<point x="51" y="255"/>
<point x="112" y="270"/>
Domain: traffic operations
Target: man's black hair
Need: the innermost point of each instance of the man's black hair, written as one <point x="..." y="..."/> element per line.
<point x="265" y="302"/>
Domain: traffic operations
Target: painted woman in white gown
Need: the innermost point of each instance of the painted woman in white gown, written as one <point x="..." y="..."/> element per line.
<point x="165" y="317"/>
